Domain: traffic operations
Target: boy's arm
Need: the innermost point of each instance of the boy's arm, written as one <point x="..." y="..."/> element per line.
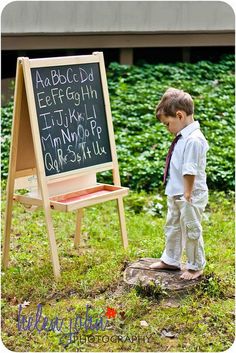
<point x="188" y="186"/>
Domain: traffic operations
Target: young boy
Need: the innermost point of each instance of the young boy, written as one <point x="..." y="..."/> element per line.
<point x="186" y="187"/>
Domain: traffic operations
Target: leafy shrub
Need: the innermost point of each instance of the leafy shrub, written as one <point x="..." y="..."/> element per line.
<point x="213" y="286"/>
<point x="142" y="142"/>
<point x="156" y="206"/>
<point x="6" y="124"/>
<point x="135" y="202"/>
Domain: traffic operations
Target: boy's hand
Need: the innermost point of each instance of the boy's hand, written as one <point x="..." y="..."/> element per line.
<point x="187" y="197"/>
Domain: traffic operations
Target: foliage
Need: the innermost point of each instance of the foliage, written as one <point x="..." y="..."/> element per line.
<point x="153" y="289"/>
<point x="6" y="124"/>
<point x="213" y="286"/>
<point x="141" y="141"/>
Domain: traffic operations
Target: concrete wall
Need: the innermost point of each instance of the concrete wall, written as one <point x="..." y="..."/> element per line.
<point x="81" y="17"/>
<point x="42" y="28"/>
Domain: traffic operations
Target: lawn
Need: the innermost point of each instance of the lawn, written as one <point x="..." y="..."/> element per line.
<point x="91" y="296"/>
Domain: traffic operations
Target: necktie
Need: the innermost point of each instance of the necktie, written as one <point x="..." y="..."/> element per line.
<point x="168" y="157"/>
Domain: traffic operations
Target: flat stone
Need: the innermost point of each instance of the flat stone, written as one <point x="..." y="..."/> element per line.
<point x="140" y="273"/>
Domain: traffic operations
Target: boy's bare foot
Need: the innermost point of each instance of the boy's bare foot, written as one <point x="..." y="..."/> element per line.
<point x="190" y="274"/>
<point x="160" y="265"/>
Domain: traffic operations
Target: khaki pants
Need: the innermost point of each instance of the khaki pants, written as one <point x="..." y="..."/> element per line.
<point x="183" y="230"/>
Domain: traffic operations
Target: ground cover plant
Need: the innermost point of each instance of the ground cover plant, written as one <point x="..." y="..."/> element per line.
<point x="129" y="319"/>
<point x="141" y="141"/>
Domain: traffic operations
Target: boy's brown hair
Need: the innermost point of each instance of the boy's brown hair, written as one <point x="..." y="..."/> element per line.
<point x="172" y="101"/>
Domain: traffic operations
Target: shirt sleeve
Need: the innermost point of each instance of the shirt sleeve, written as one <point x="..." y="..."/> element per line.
<point x="192" y="155"/>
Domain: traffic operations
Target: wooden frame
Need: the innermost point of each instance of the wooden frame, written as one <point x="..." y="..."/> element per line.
<point x="86" y="191"/>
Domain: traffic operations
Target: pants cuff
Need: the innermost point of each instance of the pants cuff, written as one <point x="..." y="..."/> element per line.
<point x="193" y="267"/>
<point x="169" y="261"/>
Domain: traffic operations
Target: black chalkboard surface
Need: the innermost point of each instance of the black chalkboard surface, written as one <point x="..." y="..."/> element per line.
<point x="71" y="117"/>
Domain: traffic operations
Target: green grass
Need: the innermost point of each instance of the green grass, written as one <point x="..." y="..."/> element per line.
<point x="200" y="321"/>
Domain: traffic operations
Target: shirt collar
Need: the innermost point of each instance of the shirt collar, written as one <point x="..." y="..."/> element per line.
<point x="189" y="129"/>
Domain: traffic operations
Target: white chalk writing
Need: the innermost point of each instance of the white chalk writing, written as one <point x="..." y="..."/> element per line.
<point x="71" y="115"/>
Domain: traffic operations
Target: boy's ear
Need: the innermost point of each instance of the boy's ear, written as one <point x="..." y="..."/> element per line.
<point x="179" y="114"/>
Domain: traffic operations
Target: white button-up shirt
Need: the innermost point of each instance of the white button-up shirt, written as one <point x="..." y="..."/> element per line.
<point x="189" y="157"/>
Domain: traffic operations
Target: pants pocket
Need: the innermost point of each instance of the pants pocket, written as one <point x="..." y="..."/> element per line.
<point x="192" y="221"/>
<point x="193" y="230"/>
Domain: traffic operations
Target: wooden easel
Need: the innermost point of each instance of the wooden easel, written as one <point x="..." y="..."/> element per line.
<point x="67" y="191"/>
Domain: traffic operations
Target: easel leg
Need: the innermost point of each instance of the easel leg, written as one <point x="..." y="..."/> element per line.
<point x="53" y="245"/>
<point x="7" y="231"/>
<point x="79" y="217"/>
<point x="12" y="161"/>
<point x="122" y="222"/>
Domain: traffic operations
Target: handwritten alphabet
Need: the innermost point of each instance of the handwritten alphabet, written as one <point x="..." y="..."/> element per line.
<point x="71" y="115"/>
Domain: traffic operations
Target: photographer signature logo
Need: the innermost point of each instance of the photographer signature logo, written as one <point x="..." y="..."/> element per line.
<point x="71" y="329"/>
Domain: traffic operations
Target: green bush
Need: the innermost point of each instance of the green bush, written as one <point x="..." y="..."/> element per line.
<point x="6" y="124"/>
<point x="142" y="142"/>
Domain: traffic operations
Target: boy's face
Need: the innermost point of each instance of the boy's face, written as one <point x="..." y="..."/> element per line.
<point x="173" y="124"/>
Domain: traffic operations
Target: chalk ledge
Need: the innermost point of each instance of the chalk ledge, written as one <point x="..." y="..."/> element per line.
<point x="140" y="273"/>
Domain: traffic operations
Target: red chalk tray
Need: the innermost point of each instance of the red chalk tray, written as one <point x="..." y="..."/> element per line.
<point x="84" y="197"/>
<point x="87" y="197"/>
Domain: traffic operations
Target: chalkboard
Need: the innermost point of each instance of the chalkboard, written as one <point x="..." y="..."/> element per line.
<point x="71" y="117"/>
